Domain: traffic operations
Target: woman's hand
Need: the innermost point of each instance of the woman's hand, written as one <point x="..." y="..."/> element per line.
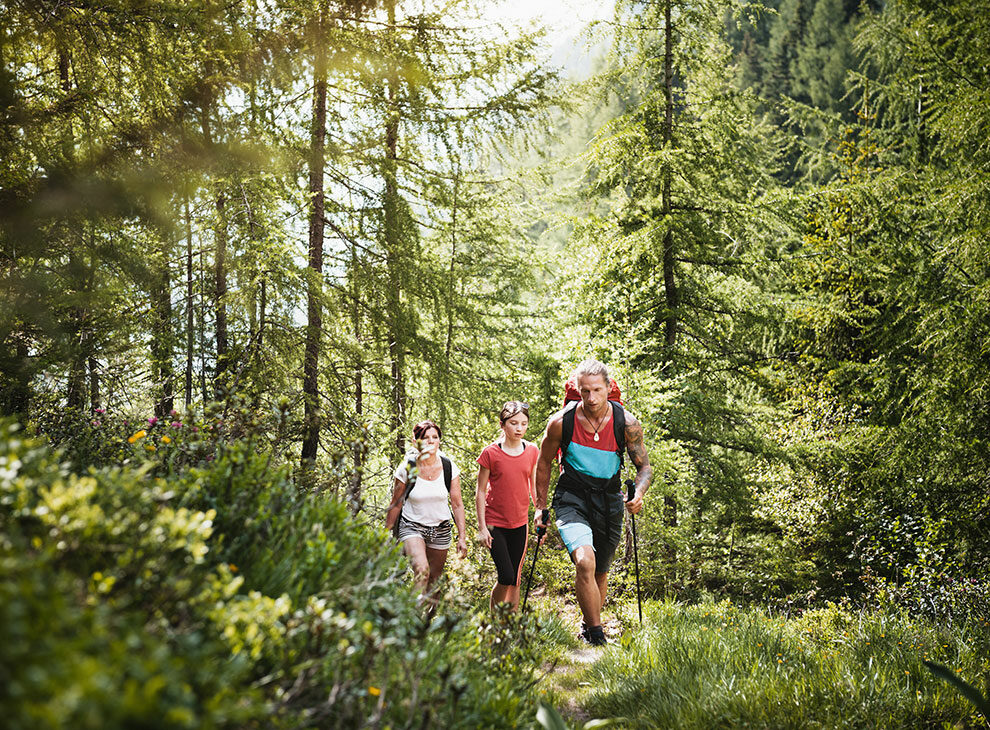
<point x="461" y="546"/>
<point x="485" y="537"/>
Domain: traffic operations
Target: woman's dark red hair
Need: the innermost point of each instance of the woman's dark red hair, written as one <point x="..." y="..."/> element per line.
<point x="420" y="429"/>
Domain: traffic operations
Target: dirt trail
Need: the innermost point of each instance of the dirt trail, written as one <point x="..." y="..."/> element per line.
<point x="568" y="680"/>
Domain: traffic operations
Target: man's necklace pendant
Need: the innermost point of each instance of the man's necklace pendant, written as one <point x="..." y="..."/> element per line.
<point x="596" y="436"/>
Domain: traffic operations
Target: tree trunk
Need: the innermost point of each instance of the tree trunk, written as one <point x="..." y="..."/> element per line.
<point x="22" y="395"/>
<point x="732" y="546"/>
<point x="669" y="283"/>
<point x="697" y="553"/>
<point x="82" y="344"/>
<point x="94" y="383"/>
<point x="670" y="520"/>
<point x="190" y="309"/>
<point x="77" y="367"/>
<point x="360" y="441"/>
<point x="449" y="307"/>
<point x="262" y="310"/>
<point x="314" y="328"/>
<point x="220" y="292"/>
<point x="219" y="266"/>
<point x="922" y="125"/>
<point x="163" y="372"/>
<point x="18" y="398"/>
<point x="76" y="387"/>
<point x="202" y="326"/>
<point x="257" y="318"/>
<point x="393" y="253"/>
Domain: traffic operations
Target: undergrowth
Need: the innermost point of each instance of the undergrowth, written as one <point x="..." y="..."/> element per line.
<point x="718" y="665"/>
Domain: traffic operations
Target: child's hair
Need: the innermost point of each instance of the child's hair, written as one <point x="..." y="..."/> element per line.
<point x="512" y="408"/>
<point x="420" y="429"/>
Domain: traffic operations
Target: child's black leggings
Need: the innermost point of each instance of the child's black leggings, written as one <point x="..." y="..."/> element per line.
<point x="508" y="548"/>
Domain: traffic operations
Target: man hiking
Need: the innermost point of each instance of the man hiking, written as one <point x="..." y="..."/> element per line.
<point x="591" y="435"/>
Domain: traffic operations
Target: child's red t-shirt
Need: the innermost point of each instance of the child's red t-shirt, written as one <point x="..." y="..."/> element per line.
<point x="507" y="501"/>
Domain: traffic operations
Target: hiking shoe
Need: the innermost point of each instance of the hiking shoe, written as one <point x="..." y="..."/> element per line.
<point x="583" y="632"/>
<point x="595" y="635"/>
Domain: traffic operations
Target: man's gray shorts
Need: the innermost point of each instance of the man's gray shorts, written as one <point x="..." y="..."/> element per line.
<point x="590" y="518"/>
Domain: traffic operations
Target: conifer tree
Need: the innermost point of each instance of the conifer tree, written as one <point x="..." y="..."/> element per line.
<point x="429" y="104"/>
<point x="677" y="263"/>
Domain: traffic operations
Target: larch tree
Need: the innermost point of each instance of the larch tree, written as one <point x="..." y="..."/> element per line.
<point x="675" y="273"/>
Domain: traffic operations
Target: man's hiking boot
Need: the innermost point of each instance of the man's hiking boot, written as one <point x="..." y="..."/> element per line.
<point x="594" y="635"/>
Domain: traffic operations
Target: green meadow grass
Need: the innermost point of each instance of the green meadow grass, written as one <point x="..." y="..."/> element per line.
<point x="716" y="665"/>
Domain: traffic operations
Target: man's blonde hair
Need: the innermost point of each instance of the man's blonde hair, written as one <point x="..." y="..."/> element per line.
<point x="591" y="367"/>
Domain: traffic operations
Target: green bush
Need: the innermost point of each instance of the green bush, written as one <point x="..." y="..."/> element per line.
<point x="85" y="564"/>
<point x="216" y="593"/>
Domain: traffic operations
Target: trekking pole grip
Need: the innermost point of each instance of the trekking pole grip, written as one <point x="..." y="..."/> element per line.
<point x="630" y="489"/>
<point x="541" y="531"/>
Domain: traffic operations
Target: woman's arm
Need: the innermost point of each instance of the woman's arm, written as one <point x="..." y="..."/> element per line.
<point x="395" y="508"/>
<point x="484" y="536"/>
<point x="457" y="507"/>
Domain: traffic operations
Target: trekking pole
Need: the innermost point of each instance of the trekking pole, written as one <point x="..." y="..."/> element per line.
<point x="540" y="532"/>
<point x="639" y="599"/>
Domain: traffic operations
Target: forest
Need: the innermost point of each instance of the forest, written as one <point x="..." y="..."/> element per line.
<point x="245" y="245"/>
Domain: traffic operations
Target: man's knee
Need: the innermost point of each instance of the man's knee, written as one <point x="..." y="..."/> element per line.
<point x="584" y="561"/>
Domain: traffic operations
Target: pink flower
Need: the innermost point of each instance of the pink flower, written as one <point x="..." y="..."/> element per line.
<point x="176" y="424"/>
<point x="101" y="411"/>
<point x="173" y="413"/>
<point x="152" y="421"/>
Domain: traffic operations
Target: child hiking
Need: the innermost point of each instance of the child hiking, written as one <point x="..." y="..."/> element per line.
<point x="592" y="435"/>
<point x="420" y="512"/>
<point x="506" y="484"/>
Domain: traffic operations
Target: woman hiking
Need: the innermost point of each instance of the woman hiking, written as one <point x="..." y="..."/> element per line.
<point x="424" y="512"/>
<point x="506" y="485"/>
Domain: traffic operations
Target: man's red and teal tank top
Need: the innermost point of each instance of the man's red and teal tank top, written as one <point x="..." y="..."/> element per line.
<point x="591" y="463"/>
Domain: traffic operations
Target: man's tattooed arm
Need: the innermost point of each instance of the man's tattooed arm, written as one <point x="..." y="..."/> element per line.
<point x="637" y="453"/>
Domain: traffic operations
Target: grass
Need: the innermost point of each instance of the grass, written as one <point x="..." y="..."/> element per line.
<point x="716" y="665"/>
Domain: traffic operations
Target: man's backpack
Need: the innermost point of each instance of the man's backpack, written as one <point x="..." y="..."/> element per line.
<point x="571" y="391"/>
